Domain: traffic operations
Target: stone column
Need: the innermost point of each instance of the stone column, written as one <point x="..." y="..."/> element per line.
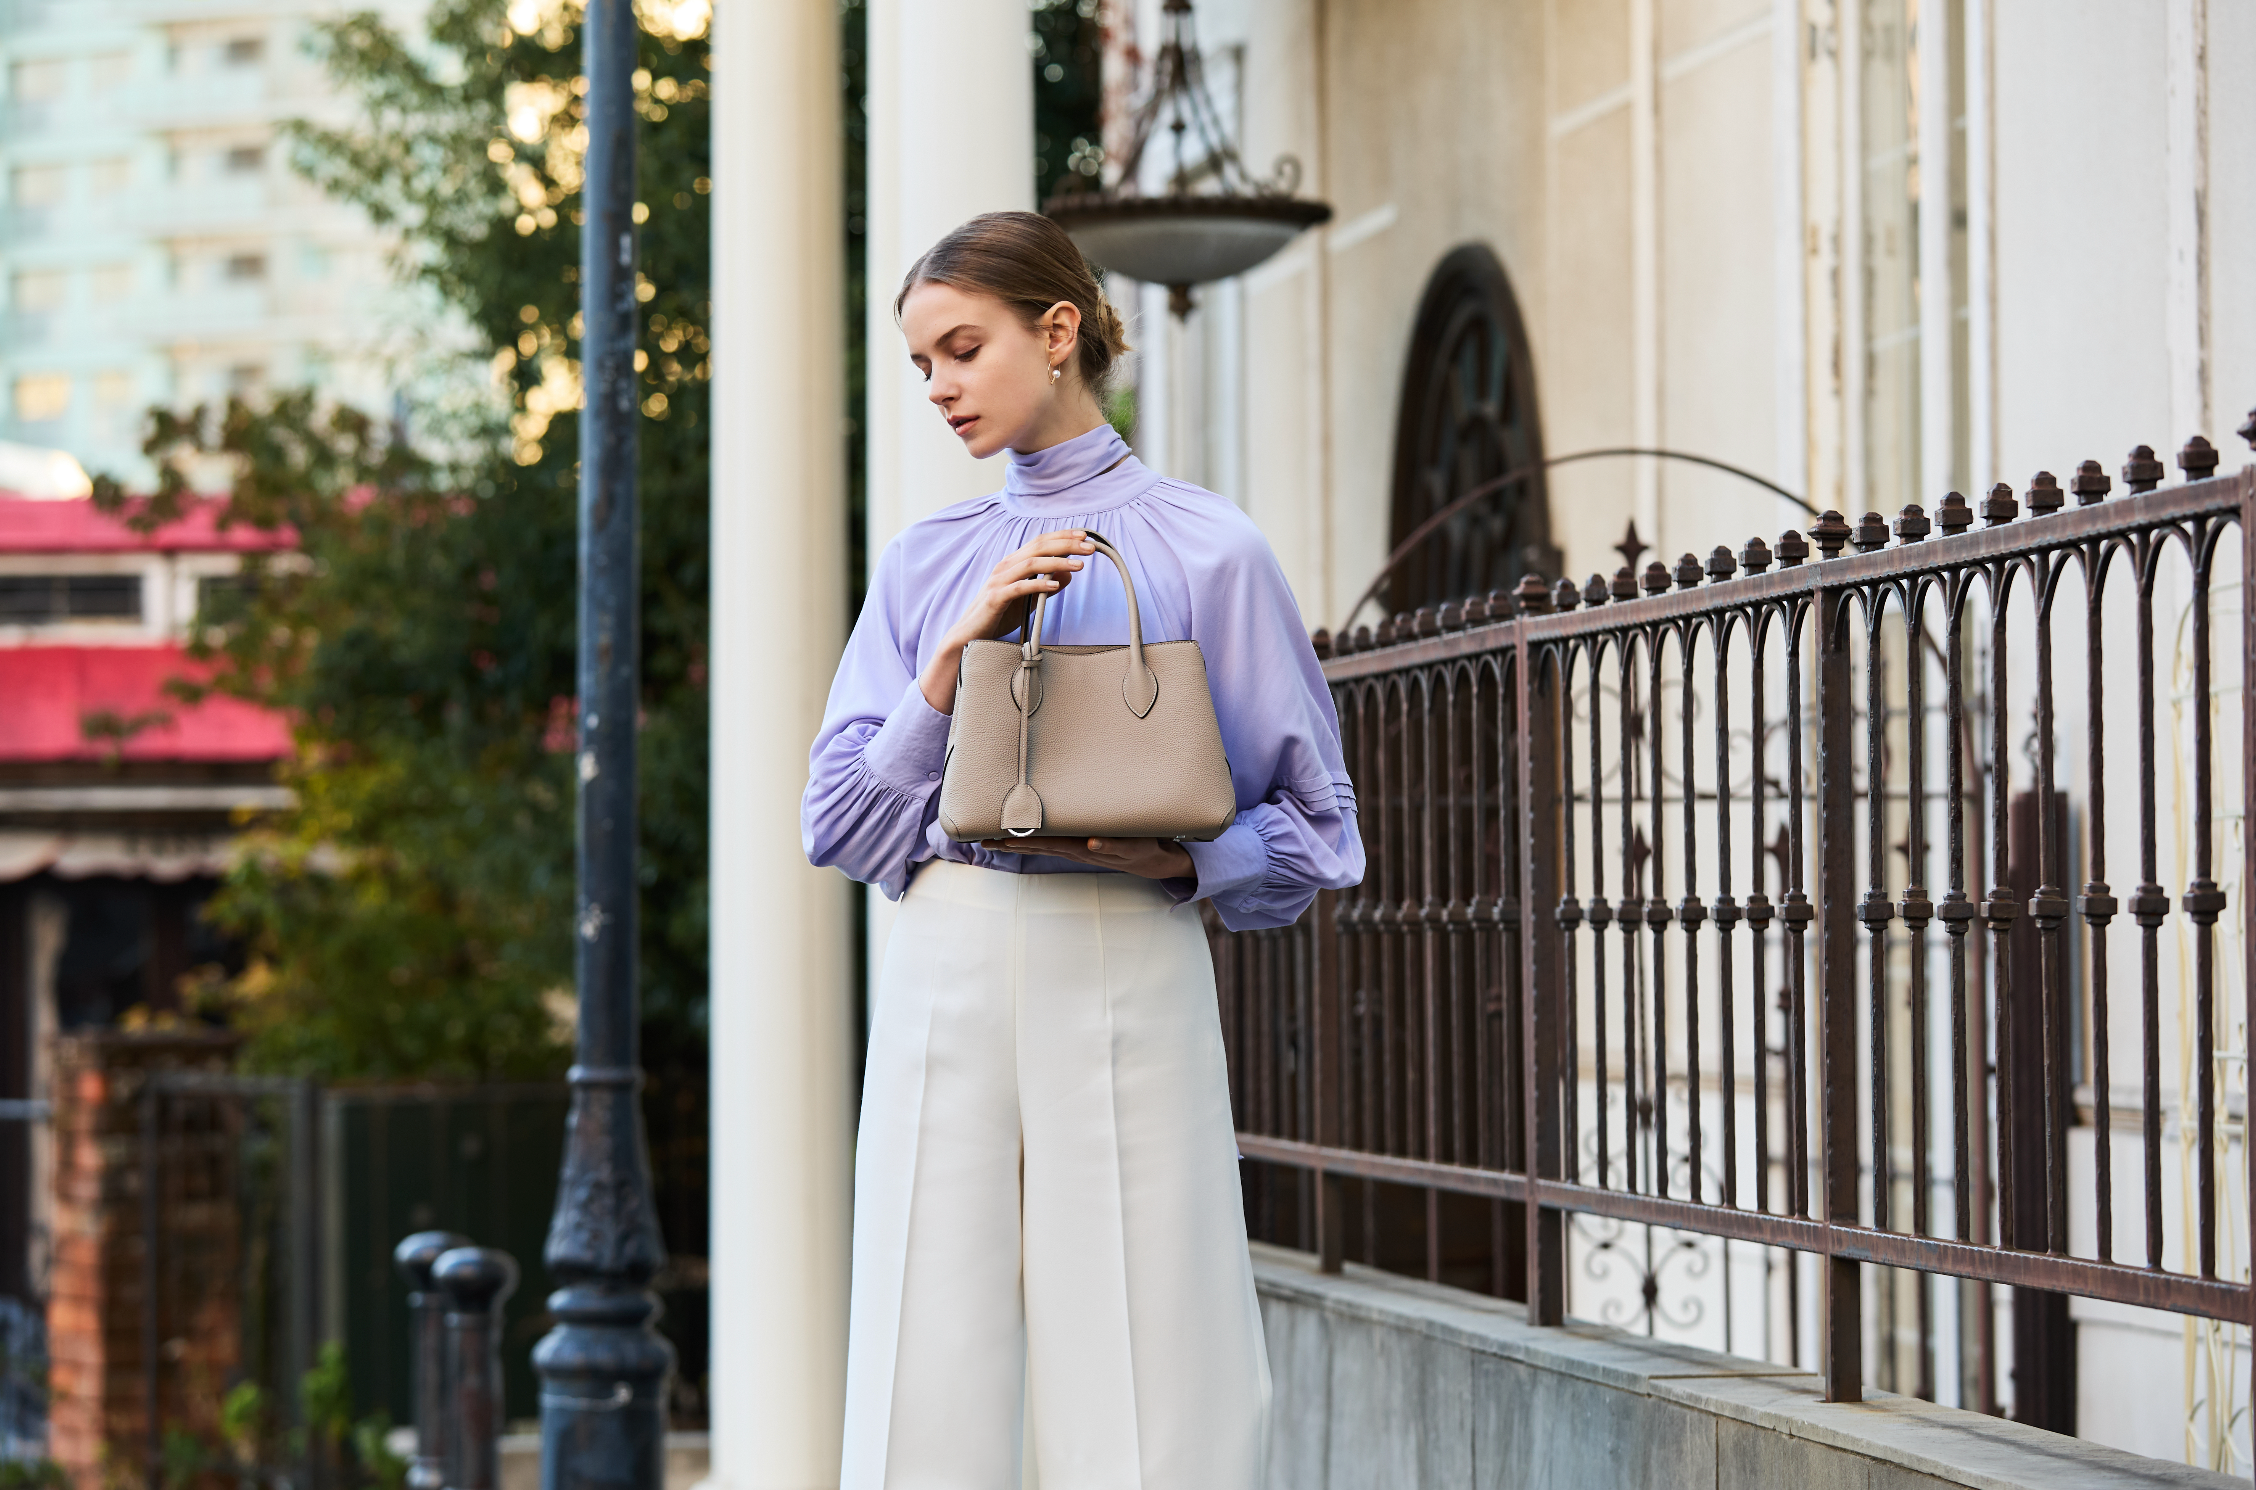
<point x="782" y="1007"/>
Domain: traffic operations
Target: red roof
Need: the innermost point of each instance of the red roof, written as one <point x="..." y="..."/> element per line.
<point x="46" y="693"/>
<point x="73" y="526"/>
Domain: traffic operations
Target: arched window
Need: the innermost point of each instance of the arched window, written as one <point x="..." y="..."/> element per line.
<point x="1468" y="417"/>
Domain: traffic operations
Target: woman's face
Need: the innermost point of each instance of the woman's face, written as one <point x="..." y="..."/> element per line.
<point x="986" y="371"/>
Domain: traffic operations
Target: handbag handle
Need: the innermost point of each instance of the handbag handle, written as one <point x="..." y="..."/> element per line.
<point x="1139" y="689"/>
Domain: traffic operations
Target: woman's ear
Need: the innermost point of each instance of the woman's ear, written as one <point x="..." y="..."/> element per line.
<point x="1062" y="327"/>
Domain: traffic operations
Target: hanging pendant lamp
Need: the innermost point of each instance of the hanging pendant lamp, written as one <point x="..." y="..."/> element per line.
<point x="1215" y="218"/>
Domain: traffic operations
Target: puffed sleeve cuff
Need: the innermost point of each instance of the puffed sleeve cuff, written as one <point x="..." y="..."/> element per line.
<point x="909" y="749"/>
<point x="1234" y="862"/>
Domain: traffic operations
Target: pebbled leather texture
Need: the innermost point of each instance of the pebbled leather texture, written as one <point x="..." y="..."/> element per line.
<point x="1111" y="749"/>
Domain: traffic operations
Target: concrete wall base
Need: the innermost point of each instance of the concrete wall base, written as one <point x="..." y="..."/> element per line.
<point x="1386" y="1383"/>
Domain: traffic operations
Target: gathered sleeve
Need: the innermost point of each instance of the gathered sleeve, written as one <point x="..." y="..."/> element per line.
<point x="873" y="776"/>
<point x="1296" y="831"/>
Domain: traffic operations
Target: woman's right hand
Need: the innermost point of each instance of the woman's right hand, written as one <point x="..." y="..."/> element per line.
<point x="1044" y="566"/>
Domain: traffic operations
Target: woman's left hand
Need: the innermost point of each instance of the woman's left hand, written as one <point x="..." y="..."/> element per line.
<point x="1150" y="858"/>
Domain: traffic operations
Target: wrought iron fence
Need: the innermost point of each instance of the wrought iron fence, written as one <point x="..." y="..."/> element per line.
<point x="1741" y="899"/>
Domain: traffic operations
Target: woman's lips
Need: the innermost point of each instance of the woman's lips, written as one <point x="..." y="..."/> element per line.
<point x="963" y="425"/>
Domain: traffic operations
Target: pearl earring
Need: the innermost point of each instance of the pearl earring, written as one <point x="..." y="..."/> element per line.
<point x="1056" y="373"/>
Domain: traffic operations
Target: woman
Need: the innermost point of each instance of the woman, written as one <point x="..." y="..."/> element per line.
<point x="1047" y="1213"/>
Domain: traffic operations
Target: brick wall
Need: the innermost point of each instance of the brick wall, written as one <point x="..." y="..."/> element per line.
<point x="98" y="1294"/>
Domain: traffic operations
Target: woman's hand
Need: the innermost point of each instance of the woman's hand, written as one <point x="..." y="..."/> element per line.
<point x="1149" y="858"/>
<point x="1043" y="567"/>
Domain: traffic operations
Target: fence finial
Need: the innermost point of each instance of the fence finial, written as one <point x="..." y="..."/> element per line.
<point x="1793" y="548"/>
<point x="1624" y="586"/>
<point x="1656" y="578"/>
<point x="1756" y="555"/>
<point x="1871" y="533"/>
<point x="2090" y="484"/>
<point x="2142" y="472"/>
<point x="1534" y="595"/>
<point x="1564" y="595"/>
<point x="2045" y="495"/>
<point x="1597" y="592"/>
<point x="1999" y="506"/>
<point x="1688" y="572"/>
<point x="2247" y="430"/>
<point x="1912" y="524"/>
<point x="1830" y="533"/>
<point x="2198" y="459"/>
<point x="1721" y="565"/>
<point x="1321" y="640"/>
<point x="1953" y="515"/>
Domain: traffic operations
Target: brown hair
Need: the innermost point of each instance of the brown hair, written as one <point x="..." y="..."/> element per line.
<point x="1030" y="264"/>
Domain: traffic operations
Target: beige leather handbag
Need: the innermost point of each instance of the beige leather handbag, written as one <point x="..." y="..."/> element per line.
<point x="1085" y="742"/>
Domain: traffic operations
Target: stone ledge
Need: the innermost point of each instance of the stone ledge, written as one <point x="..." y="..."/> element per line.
<point x="1682" y="1416"/>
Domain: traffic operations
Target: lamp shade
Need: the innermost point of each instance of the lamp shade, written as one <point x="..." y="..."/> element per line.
<point x="1183" y="240"/>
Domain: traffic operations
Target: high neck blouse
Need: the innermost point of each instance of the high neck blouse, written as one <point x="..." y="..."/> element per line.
<point x="1203" y="572"/>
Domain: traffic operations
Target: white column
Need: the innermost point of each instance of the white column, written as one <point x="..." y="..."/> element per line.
<point x="2186" y="69"/>
<point x="951" y="135"/>
<point x="1938" y="287"/>
<point x="1645" y="263"/>
<point x="782" y="1011"/>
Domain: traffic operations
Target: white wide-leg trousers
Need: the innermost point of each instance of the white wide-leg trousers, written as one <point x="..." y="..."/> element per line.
<point x="1047" y="1216"/>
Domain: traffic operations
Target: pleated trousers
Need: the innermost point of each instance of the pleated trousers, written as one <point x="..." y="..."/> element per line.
<point x="1049" y="1238"/>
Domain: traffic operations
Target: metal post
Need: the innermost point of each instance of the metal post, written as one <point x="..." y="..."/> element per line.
<point x="476" y="1281"/>
<point x="1540" y="669"/>
<point x="1842" y="1347"/>
<point x="603" y="1369"/>
<point x="152" y="1379"/>
<point x="426" y="1306"/>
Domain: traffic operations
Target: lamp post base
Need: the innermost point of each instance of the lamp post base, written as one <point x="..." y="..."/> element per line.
<point x="603" y="1373"/>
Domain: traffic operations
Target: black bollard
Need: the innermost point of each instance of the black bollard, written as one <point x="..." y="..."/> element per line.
<point x="476" y="1282"/>
<point x="426" y="1308"/>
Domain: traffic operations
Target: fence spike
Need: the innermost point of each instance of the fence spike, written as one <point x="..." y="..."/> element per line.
<point x="2142" y="472"/>
<point x="2045" y="495"/>
<point x="2090" y="484"/>
<point x="2198" y="459"/>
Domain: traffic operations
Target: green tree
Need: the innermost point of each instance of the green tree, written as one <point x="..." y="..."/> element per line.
<point x="410" y="916"/>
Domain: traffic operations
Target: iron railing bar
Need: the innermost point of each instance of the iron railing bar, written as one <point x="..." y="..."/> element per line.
<point x="2180" y="1293"/>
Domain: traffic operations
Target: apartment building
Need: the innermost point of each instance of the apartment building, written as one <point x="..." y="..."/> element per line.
<point x="155" y="245"/>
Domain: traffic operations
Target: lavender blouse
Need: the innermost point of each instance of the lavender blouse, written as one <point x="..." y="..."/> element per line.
<point x="1202" y="571"/>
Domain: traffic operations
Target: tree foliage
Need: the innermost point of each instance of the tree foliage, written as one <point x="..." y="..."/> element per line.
<point x="409" y="917"/>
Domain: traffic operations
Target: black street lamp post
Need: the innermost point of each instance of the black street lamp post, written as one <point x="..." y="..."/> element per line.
<point x="603" y="1369"/>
